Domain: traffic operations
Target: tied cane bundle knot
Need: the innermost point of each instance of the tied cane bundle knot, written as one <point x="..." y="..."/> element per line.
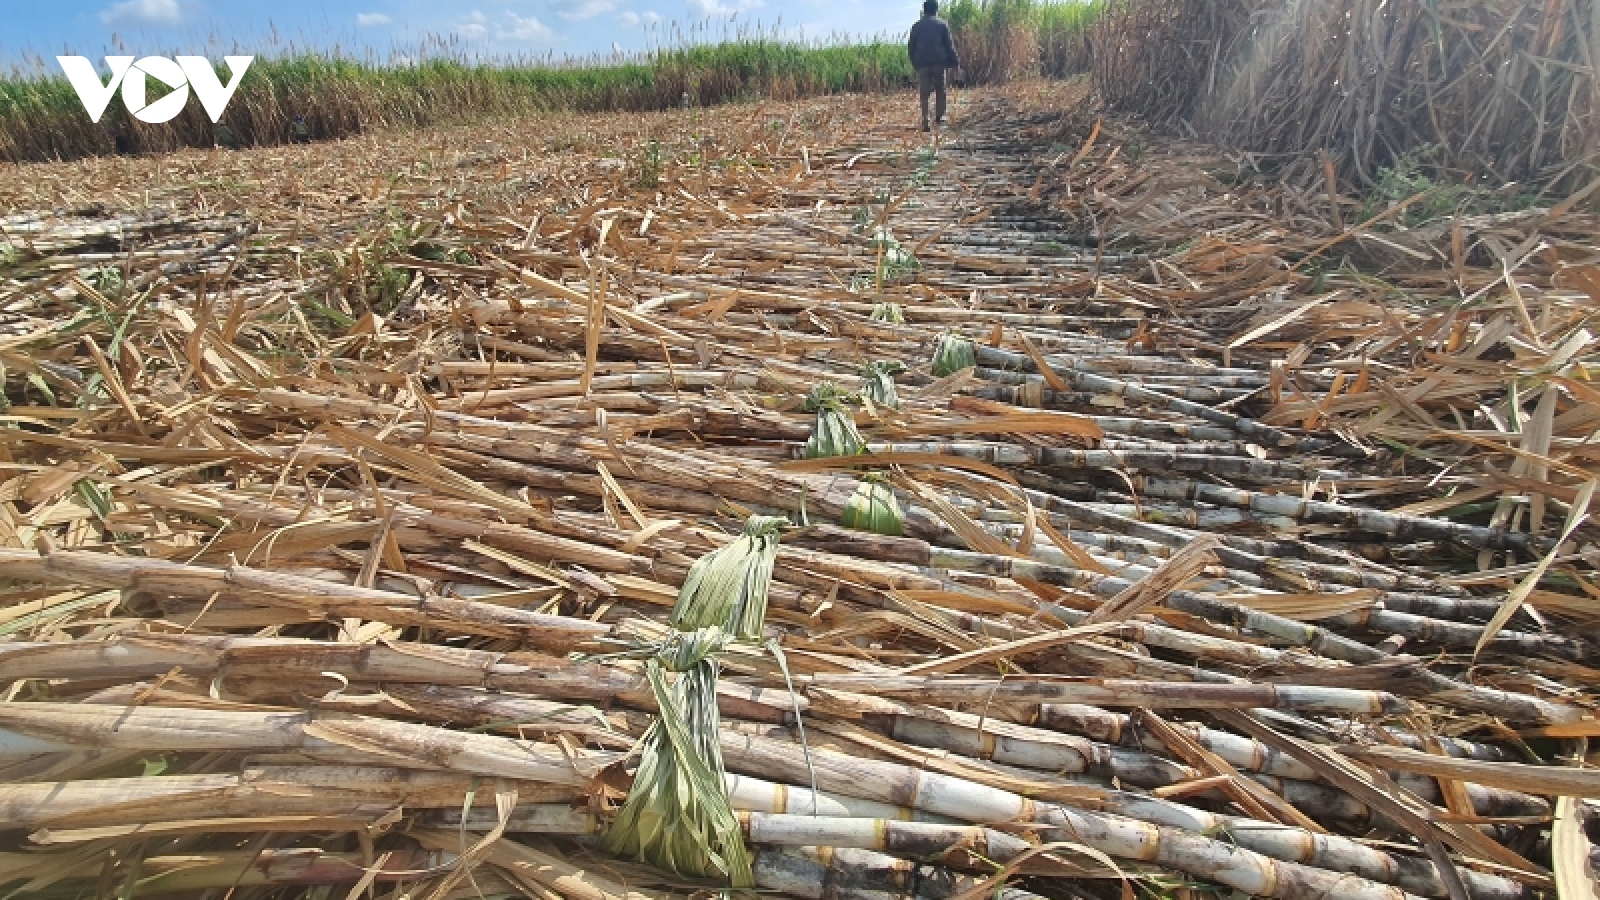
<point x="677" y="815"/>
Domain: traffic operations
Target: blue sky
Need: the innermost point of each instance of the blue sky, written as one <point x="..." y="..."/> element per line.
<point x="525" y="28"/>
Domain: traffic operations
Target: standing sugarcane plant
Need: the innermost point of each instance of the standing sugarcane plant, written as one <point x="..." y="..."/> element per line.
<point x="894" y="260"/>
<point x="835" y="432"/>
<point x="677" y="815"/>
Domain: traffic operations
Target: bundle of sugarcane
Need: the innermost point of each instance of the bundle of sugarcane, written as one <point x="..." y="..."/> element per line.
<point x="878" y="383"/>
<point x="951" y="354"/>
<point x="873" y="507"/>
<point x="835" y="433"/>
<point x="677" y="814"/>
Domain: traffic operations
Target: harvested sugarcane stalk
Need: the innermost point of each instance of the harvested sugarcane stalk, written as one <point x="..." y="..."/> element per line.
<point x="1105" y="692"/>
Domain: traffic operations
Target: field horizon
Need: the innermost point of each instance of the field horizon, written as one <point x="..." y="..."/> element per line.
<point x="335" y="94"/>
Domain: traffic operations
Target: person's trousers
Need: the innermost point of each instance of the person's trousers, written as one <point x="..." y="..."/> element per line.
<point x="931" y="81"/>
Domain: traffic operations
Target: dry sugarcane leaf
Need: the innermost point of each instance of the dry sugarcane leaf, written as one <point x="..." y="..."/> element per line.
<point x="1575" y="517"/>
<point x="530" y="866"/>
<point x="1331" y="767"/>
<point x="423" y="467"/>
<point x="1256" y="800"/>
<point x="1273" y="325"/>
<point x="1307" y="607"/>
<point x="1152" y="590"/>
<point x="899" y="459"/>
<point x="1065" y="544"/>
<point x="1050" y="377"/>
<point x="1018" y="647"/>
<point x="1378" y="791"/>
<point x="1547" y="780"/>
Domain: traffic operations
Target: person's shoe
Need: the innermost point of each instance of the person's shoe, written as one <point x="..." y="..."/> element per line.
<point x="942" y="121"/>
<point x="926" y="127"/>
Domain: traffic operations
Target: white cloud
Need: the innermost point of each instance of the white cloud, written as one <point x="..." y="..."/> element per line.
<point x="475" y="27"/>
<point x="721" y="10"/>
<point x="525" y="28"/>
<point x="368" y="20"/>
<point x="632" y="19"/>
<point x="504" y="27"/>
<point x="583" y="9"/>
<point x="143" y="12"/>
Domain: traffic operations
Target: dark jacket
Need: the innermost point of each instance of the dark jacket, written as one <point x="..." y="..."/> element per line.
<point x="930" y="45"/>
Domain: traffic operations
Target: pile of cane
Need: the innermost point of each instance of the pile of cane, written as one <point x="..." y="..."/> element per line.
<point x="827" y="515"/>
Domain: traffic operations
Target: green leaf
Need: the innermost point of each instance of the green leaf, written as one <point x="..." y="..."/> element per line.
<point x="892" y="313"/>
<point x="95" y="497"/>
<point x="952" y="354"/>
<point x="878" y="384"/>
<point x="37" y="380"/>
<point x="677" y="815"/>
<point x="57" y="611"/>
<point x="873" y="507"/>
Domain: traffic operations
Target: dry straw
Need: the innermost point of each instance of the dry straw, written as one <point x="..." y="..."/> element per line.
<point x="1497" y="92"/>
<point x="329" y="501"/>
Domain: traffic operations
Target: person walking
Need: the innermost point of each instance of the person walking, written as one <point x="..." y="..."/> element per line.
<point x="932" y="53"/>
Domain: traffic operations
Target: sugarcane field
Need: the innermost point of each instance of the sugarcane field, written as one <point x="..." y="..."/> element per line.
<point x="1166" y="473"/>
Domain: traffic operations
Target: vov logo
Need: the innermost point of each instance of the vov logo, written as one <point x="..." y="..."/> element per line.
<point x="180" y="75"/>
